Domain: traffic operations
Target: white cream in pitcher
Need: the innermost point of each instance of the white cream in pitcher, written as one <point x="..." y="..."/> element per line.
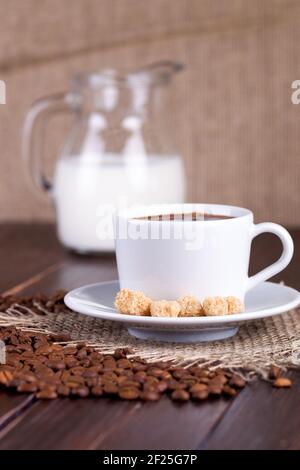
<point x="88" y="187"/>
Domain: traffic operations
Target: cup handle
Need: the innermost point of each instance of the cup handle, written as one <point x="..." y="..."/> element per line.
<point x="285" y="258"/>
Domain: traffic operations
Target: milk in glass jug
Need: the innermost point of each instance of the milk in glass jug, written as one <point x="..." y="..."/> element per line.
<point x="117" y="154"/>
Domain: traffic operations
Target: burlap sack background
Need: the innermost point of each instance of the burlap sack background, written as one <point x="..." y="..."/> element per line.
<point x="237" y="127"/>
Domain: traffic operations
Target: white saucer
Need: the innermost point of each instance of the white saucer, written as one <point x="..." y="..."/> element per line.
<point x="265" y="300"/>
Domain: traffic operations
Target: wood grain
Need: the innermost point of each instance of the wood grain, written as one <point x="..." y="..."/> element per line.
<point x="11" y="407"/>
<point x="26" y="251"/>
<point x="260" y="418"/>
<point x="108" y="424"/>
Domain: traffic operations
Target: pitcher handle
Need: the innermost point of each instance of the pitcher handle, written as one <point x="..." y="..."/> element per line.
<point x="33" y="134"/>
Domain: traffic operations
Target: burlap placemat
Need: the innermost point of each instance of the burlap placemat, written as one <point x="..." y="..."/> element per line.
<point x="258" y="344"/>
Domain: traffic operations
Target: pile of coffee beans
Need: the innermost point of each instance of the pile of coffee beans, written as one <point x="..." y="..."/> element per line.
<point x="38" y="364"/>
<point x="51" y="366"/>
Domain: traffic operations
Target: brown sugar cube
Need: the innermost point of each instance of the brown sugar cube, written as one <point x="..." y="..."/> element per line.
<point x="190" y="306"/>
<point x="165" y="308"/>
<point x="234" y="304"/>
<point x="132" y="302"/>
<point x="213" y="306"/>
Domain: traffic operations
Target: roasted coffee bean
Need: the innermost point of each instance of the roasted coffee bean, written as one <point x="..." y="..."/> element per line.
<point x="282" y="382"/>
<point x="88" y="373"/>
<point x="62" y="337"/>
<point x="237" y="381"/>
<point x="216" y="382"/>
<point x="109" y="364"/>
<point x="56" y="356"/>
<point x="188" y="380"/>
<point x="71" y="362"/>
<point x="77" y="370"/>
<point x="55" y="365"/>
<point x="180" y="395"/>
<point x="13" y="349"/>
<point x="166" y="375"/>
<point x="155" y="372"/>
<point x="123" y="378"/>
<point x="129" y="383"/>
<point x="63" y="390"/>
<point x="13" y="361"/>
<point x="203" y="380"/>
<point x="36" y="360"/>
<point x="96" y="357"/>
<point x="85" y="362"/>
<point x="196" y="388"/>
<point x="152" y="380"/>
<point x="97" y="368"/>
<point x="199" y="371"/>
<point x="138" y="367"/>
<point x="25" y="347"/>
<point x="65" y="376"/>
<point x="220" y="378"/>
<point x="71" y="384"/>
<point x="91" y="382"/>
<point x="57" y="348"/>
<point x="122" y="352"/>
<point x="82" y="353"/>
<point x="77" y="378"/>
<point x="179" y="373"/>
<point x="27" y="354"/>
<point x="80" y="391"/>
<point x="175" y="385"/>
<point x="110" y="376"/>
<point x="97" y="391"/>
<point x="58" y="296"/>
<point x="162" y="386"/>
<point x="14" y="340"/>
<point x="150" y="385"/>
<point x="201" y="395"/>
<point x="215" y="390"/>
<point x="58" y="375"/>
<point x="46" y="394"/>
<point x="45" y="350"/>
<point x="27" y="387"/>
<point x="39" y="343"/>
<point x="230" y="391"/>
<point x="140" y="376"/>
<point x="5" y="377"/>
<point x="28" y="377"/>
<point x="131" y="393"/>
<point x="150" y="388"/>
<point x="110" y="388"/>
<point x="126" y="372"/>
<point x="149" y="395"/>
<point x="123" y="363"/>
<point x="70" y="350"/>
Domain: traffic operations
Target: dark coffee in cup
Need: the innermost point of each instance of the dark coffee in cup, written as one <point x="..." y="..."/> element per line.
<point x="190" y="216"/>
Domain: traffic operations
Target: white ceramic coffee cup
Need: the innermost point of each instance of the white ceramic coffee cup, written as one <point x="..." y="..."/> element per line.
<point x="168" y="259"/>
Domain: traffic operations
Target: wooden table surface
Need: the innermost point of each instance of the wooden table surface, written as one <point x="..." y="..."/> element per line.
<point x="259" y="418"/>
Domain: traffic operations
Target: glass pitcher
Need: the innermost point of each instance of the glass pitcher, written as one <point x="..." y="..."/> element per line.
<point x="119" y="152"/>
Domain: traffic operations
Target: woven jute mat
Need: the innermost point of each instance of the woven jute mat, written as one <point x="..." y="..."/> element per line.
<point x="256" y="346"/>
